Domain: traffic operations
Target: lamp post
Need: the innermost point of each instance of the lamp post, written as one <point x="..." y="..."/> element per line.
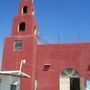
<point x="20" y="69"/>
<point x="22" y="62"/>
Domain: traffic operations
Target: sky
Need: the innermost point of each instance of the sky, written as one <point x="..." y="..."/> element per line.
<point x="63" y="21"/>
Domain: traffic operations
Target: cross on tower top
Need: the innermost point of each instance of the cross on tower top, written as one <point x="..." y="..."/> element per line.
<point x="28" y="0"/>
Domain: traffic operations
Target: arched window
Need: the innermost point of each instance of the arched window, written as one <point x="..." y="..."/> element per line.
<point x="70" y="80"/>
<point x="69" y="72"/>
<point x="22" y="26"/>
<point x="24" y="9"/>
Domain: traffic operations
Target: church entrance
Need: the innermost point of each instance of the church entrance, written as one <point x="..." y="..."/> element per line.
<point x="69" y="80"/>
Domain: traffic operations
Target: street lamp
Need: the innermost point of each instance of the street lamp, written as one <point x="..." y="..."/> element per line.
<point x="22" y="62"/>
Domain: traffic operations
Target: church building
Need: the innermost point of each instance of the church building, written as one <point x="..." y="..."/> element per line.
<point x="29" y="65"/>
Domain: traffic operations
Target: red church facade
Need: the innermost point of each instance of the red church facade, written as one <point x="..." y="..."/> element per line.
<point x="51" y="66"/>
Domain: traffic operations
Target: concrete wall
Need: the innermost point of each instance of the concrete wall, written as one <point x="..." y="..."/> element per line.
<point x="6" y="82"/>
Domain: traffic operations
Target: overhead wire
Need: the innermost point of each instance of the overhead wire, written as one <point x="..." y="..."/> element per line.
<point x="44" y="39"/>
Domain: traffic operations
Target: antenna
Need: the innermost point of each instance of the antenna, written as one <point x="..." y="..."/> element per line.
<point x="58" y="37"/>
<point x="32" y="0"/>
<point x="78" y="37"/>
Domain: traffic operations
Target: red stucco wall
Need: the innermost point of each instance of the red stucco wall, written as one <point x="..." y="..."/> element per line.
<point x="12" y="59"/>
<point x="61" y="57"/>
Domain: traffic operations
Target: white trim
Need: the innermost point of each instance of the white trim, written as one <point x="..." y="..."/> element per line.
<point x="15" y="73"/>
<point x="36" y="83"/>
<point x="15" y="83"/>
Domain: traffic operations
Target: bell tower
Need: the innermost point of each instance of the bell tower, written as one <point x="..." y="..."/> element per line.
<point x="22" y="44"/>
<point x="25" y="23"/>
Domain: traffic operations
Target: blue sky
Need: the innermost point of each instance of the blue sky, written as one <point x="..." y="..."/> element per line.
<point x="70" y="19"/>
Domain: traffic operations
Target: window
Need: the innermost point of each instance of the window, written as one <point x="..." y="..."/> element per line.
<point x="0" y="84"/>
<point x="0" y="81"/>
<point x="88" y="69"/>
<point x="22" y="26"/>
<point x="46" y="67"/>
<point x="13" y="87"/>
<point x="88" y="85"/>
<point x="18" y="45"/>
<point x="69" y="72"/>
<point x="24" y="9"/>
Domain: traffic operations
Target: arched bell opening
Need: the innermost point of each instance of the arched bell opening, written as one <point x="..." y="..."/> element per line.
<point x="24" y="10"/>
<point x="22" y="27"/>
